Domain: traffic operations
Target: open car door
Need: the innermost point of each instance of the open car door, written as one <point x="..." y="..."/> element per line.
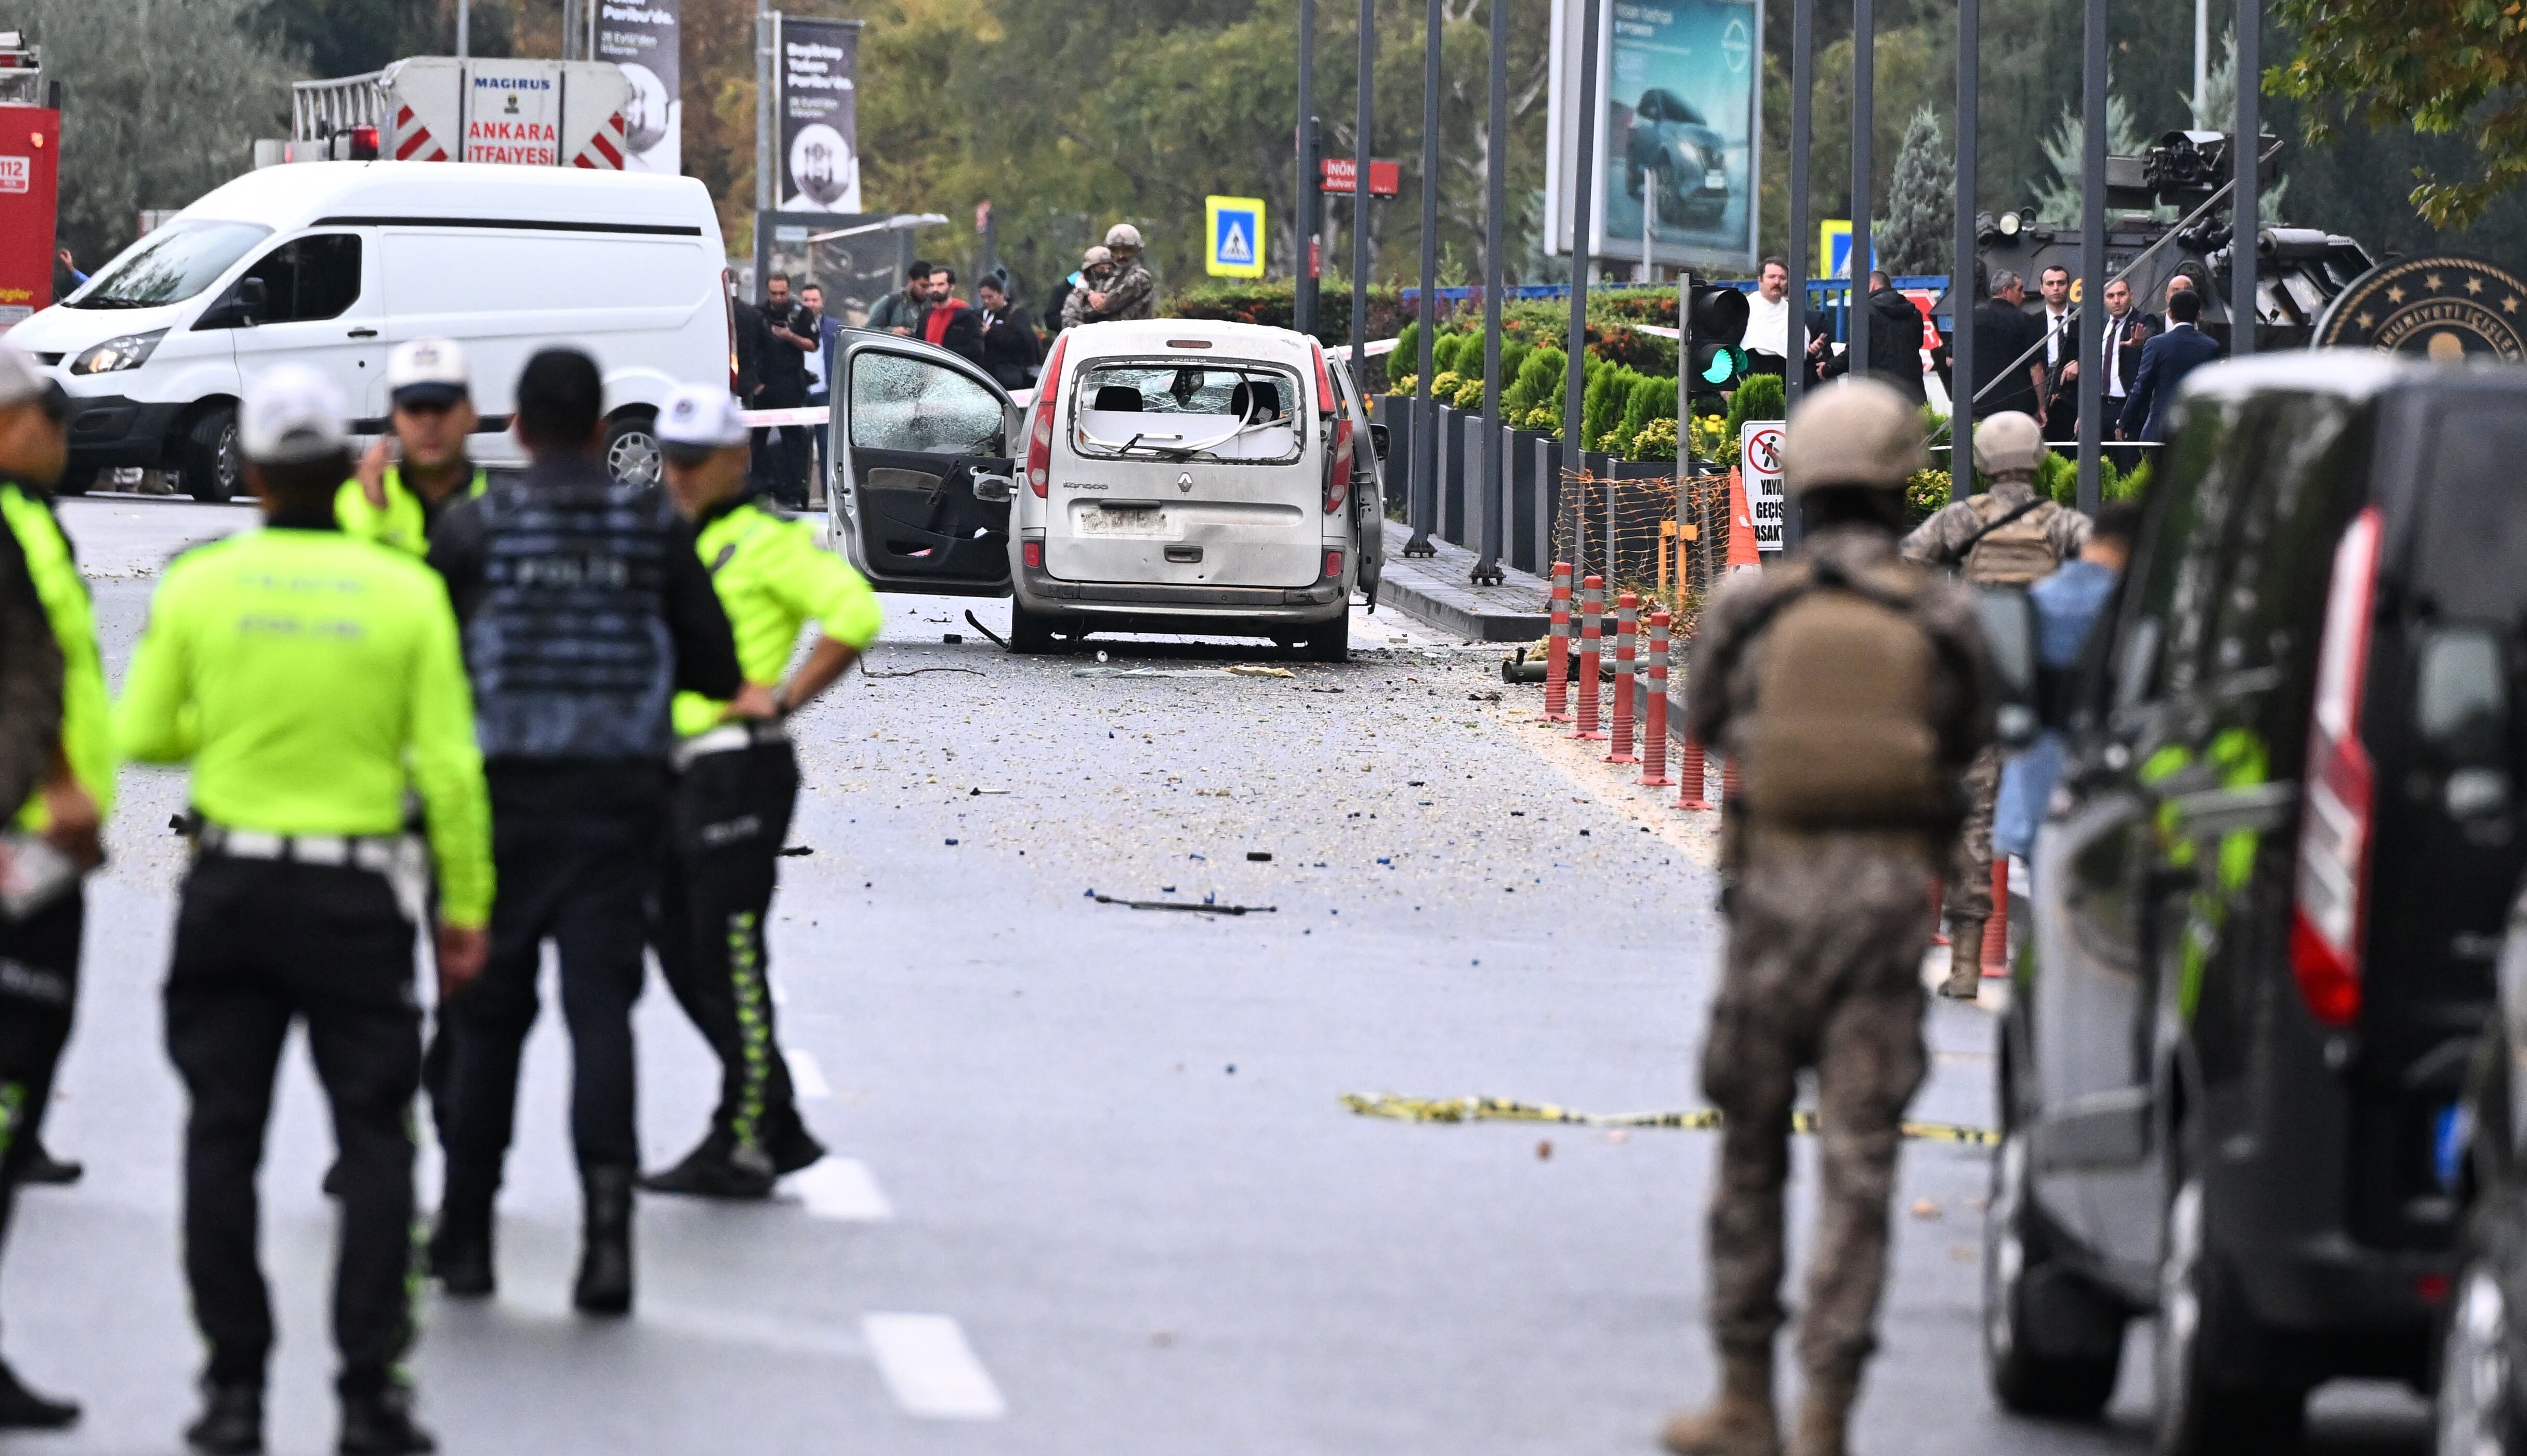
<point x="913" y="428"/>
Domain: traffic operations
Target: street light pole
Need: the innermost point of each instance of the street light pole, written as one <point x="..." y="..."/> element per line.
<point x="1864" y="109"/>
<point x="2092" y="248"/>
<point x="464" y="28"/>
<point x="1311" y="187"/>
<point x="1487" y="532"/>
<point x="1360" y="197"/>
<point x="1961" y="289"/>
<point x="1423" y="505"/>
<point x="1794" y="368"/>
<point x="1583" y="198"/>
<point x="763" y="41"/>
<point x="2246" y="307"/>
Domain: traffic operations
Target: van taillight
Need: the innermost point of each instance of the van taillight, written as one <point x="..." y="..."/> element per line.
<point x="1338" y="464"/>
<point x="2330" y="906"/>
<point x="1038" y="459"/>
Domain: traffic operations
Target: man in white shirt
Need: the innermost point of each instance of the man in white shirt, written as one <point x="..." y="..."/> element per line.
<point x="1768" y="319"/>
<point x="2128" y="328"/>
<point x="2061" y="330"/>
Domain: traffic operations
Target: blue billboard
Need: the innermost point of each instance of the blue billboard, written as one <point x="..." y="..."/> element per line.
<point x="1678" y="143"/>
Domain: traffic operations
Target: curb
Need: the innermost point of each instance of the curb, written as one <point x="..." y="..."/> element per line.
<point x="1433" y="590"/>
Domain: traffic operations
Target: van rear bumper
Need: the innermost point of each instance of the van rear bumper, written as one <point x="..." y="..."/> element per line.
<point x="110" y="430"/>
<point x="1039" y="591"/>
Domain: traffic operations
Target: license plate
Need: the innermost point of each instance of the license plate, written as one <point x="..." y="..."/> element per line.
<point x="1111" y="521"/>
<point x="1716" y="180"/>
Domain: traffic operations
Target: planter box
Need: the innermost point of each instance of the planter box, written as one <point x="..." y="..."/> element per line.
<point x="1547" y="521"/>
<point x="1528" y="530"/>
<point x="1395" y="473"/>
<point x="1448" y="524"/>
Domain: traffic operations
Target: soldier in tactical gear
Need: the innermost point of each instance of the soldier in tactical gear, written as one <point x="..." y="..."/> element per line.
<point x="1131" y="293"/>
<point x="2009" y="535"/>
<point x="1852" y="688"/>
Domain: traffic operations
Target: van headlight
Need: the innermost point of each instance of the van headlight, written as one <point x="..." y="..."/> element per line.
<point x="124" y="351"/>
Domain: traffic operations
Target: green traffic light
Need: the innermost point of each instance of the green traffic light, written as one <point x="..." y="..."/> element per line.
<point x="1723" y="365"/>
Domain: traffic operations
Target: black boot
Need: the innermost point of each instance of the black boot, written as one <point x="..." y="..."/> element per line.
<point x="43" y="1167"/>
<point x="792" y="1145"/>
<point x="461" y="1247"/>
<point x="718" y="1167"/>
<point x="231" y="1423"/>
<point x="22" y="1409"/>
<point x="380" y="1424"/>
<point x="605" y="1257"/>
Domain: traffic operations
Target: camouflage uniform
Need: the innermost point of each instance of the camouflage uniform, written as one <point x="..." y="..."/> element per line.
<point x="1074" y="304"/>
<point x="1827" y="931"/>
<point x="1133" y="293"/>
<point x="1944" y="540"/>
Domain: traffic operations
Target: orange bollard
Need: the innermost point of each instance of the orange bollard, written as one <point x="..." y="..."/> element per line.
<point x="1592" y="606"/>
<point x="1654" y="733"/>
<point x="1695" y="777"/>
<point x="1996" y="930"/>
<point x="1557" y="667"/>
<point x="1627" y="612"/>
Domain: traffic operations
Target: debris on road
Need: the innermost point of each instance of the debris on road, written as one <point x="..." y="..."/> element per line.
<point x="917" y="672"/>
<point x="1699" y="1119"/>
<point x="1197" y="907"/>
<point x="1259" y="856"/>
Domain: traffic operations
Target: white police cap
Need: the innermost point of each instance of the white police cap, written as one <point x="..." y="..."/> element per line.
<point x="701" y="418"/>
<point x="20" y="379"/>
<point x="291" y="413"/>
<point x="428" y="371"/>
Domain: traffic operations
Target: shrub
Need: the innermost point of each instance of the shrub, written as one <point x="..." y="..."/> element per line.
<point x="1650" y="398"/>
<point x="1469" y="394"/>
<point x="1443" y="386"/>
<point x="1601" y="409"/>
<point x="1925" y="494"/>
<point x="1654" y="440"/>
<point x="1756" y="397"/>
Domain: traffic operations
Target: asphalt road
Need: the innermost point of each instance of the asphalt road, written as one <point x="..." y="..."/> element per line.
<point x="1094" y="1189"/>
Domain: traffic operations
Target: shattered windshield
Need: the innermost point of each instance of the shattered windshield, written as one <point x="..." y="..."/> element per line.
<point x="1168" y="410"/>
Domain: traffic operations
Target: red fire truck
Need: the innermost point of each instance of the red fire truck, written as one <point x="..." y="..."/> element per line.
<point x="30" y="140"/>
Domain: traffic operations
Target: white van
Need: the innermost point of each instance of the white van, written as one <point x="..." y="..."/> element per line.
<point x="331" y="264"/>
<point x="1169" y="476"/>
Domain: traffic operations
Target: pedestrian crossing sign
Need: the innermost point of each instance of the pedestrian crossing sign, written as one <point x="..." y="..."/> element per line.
<point x="1235" y="227"/>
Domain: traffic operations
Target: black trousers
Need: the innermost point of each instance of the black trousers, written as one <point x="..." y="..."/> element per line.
<point x="39" y="960"/>
<point x="574" y="877"/>
<point x="706" y="924"/>
<point x="780" y="450"/>
<point x="259" y="946"/>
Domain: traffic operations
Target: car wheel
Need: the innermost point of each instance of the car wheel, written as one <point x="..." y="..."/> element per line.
<point x="75" y="480"/>
<point x="632" y="455"/>
<point x="1330" y="641"/>
<point x="2203" y="1408"/>
<point x="214" y="465"/>
<point x="2051" y="1346"/>
<point x="2477" y="1415"/>
<point x="1029" y="632"/>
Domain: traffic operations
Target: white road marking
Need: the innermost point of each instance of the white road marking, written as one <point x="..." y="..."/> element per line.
<point x="806" y="1079"/>
<point x="840" y="1188"/>
<point x="931" y="1369"/>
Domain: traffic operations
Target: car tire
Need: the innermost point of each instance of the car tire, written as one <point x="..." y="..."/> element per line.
<point x="2052" y="1346"/>
<point x="2477" y="1408"/>
<point x="1029" y="632"/>
<point x="213" y="467"/>
<point x="2202" y="1406"/>
<point x="77" y="480"/>
<point x="632" y="454"/>
<point x="1330" y="641"/>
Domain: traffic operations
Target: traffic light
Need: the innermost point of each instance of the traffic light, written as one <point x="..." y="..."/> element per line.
<point x="1717" y="323"/>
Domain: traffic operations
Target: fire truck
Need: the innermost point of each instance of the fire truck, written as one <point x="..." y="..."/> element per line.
<point x="443" y="109"/>
<point x="30" y="142"/>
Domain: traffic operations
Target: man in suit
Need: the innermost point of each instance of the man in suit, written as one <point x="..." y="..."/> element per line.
<point x="2128" y="328"/>
<point x="2165" y="361"/>
<point x="2003" y="332"/>
<point x="2058" y="323"/>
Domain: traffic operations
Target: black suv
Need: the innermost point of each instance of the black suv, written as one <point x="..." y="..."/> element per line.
<point x="2267" y="900"/>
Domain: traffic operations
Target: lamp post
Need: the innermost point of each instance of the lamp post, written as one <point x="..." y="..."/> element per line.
<point x="1961" y="291"/>
<point x="2247" y="204"/>
<point x="1311" y="186"/>
<point x="1423" y="505"/>
<point x="1794" y="369"/>
<point x="2092" y="247"/>
<point x="1864" y="185"/>
<point x="1360" y="197"/>
<point x="1487" y="499"/>
<point x="1584" y="197"/>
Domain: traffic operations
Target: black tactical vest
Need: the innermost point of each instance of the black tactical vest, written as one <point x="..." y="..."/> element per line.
<point x="569" y="649"/>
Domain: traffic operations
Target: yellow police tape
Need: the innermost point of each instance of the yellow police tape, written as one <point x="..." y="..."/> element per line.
<point x="1503" y="1110"/>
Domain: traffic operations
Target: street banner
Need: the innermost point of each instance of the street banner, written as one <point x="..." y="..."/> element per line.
<point x="644" y="37"/>
<point x="1234" y="230"/>
<point x="1759" y="454"/>
<point x="1386" y="177"/>
<point x="816" y="63"/>
<point x="1679" y="129"/>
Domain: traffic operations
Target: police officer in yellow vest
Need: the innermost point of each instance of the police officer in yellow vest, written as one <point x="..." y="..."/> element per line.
<point x="417" y="470"/>
<point x="311" y="680"/>
<point x="68" y="758"/>
<point x="738" y="779"/>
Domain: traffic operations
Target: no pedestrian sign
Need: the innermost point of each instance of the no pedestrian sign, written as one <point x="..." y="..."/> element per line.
<point x="1234" y="228"/>
<point x="1759" y="459"/>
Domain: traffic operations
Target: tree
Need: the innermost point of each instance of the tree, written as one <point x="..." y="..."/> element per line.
<point x="162" y="101"/>
<point x="2441" y="67"/>
<point x="1915" y="235"/>
<point x="2058" y="201"/>
<point x="2219" y="113"/>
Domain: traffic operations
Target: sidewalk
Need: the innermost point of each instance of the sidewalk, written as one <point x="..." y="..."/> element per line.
<point x="1434" y="590"/>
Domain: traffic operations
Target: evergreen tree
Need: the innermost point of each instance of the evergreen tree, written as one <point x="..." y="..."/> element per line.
<point x="2058" y="201"/>
<point x="2219" y="113"/>
<point x="1914" y="236"/>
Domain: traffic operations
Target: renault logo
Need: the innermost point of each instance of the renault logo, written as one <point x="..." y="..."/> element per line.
<point x="1184" y="482"/>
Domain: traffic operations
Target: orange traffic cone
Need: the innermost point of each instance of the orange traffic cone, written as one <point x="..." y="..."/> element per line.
<point x="1742" y="555"/>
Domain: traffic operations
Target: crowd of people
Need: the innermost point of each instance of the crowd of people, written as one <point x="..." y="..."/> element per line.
<point x="506" y="712"/>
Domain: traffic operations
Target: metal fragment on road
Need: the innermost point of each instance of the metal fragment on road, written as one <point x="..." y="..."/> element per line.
<point x="1197" y="907"/>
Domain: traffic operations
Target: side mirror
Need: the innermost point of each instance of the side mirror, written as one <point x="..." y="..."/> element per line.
<point x="2462" y="714"/>
<point x="248" y="300"/>
<point x="1378" y="440"/>
<point x="997" y="490"/>
<point x="2009" y="634"/>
